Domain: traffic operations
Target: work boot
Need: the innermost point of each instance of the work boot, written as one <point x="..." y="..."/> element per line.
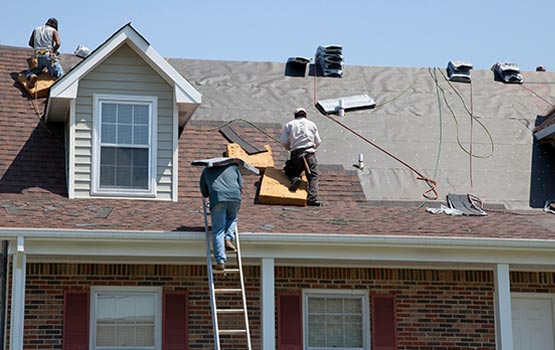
<point x="219" y="267"/>
<point x="229" y="246"/>
<point x="295" y="183"/>
<point x="32" y="81"/>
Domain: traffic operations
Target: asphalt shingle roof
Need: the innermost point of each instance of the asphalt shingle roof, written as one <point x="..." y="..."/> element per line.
<point x="33" y="189"/>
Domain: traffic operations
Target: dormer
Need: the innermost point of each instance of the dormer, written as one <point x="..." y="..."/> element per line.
<point x="123" y="106"/>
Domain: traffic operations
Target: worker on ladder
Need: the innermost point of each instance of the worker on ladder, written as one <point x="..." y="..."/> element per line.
<point x="223" y="185"/>
<point x="45" y="40"/>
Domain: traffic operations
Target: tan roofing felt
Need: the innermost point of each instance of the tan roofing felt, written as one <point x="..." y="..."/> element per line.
<point x="33" y="190"/>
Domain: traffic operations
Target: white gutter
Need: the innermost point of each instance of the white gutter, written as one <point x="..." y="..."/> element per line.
<point x="285" y="238"/>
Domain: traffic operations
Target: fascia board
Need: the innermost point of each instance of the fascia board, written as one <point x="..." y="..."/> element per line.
<point x="331" y="247"/>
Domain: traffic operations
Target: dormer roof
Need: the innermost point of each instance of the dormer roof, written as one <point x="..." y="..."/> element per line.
<point x="65" y="89"/>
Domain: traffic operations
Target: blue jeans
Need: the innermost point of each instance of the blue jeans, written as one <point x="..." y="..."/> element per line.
<point x="54" y="69"/>
<point x="224" y="223"/>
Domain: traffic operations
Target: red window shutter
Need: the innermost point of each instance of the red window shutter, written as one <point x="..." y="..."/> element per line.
<point x="290" y="321"/>
<point x="175" y="327"/>
<point x="384" y="323"/>
<point x="76" y="320"/>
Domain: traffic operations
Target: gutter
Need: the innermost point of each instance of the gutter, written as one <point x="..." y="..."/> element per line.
<point x="284" y="239"/>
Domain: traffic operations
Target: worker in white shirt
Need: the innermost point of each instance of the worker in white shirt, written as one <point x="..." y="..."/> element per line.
<point x="46" y="42"/>
<point x="300" y="136"/>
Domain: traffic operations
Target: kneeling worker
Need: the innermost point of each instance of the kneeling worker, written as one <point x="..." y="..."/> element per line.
<point x="301" y="137"/>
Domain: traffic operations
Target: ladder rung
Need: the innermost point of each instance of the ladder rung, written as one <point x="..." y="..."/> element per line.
<point x="227" y="271"/>
<point x="229" y="311"/>
<point x="227" y="290"/>
<point x="232" y="331"/>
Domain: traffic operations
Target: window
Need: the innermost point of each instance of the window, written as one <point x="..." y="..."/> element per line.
<point x="124" y="147"/>
<point x="125" y="318"/>
<point x="335" y="321"/>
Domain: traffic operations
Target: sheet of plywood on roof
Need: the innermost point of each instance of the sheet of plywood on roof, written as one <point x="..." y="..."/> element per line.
<point x="260" y="160"/>
<point x="43" y="84"/>
<point x="274" y="189"/>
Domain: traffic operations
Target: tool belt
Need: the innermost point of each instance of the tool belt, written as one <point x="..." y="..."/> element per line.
<point x="42" y="52"/>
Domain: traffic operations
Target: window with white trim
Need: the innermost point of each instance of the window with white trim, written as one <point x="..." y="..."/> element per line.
<point x="124" y="318"/>
<point x="335" y="320"/>
<point x="124" y="145"/>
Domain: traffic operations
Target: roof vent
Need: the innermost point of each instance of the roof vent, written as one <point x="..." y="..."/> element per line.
<point x="330" y="60"/>
<point x="459" y="71"/>
<point x="507" y="72"/>
<point x="296" y="66"/>
<point x="342" y="104"/>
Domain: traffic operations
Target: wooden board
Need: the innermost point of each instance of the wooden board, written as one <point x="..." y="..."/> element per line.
<point x="274" y="189"/>
<point x="41" y="88"/>
<point x="260" y="160"/>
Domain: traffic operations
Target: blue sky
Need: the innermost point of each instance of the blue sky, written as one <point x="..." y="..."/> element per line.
<point x="404" y="33"/>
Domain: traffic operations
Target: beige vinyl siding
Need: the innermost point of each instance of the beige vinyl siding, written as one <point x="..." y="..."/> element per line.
<point x="123" y="73"/>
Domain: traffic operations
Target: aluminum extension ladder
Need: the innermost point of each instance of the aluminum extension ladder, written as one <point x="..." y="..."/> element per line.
<point x="237" y="273"/>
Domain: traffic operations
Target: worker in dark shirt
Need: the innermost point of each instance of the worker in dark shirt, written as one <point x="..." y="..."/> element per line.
<point x="223" y="185"/>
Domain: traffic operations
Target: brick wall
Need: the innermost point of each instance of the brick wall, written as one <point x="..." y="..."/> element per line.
<point x="440" y="310"/>
<point x="436" y="309"/>
<point x="46" y="284"/>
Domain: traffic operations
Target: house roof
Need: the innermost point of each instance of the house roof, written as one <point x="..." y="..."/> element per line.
<point x="32" y="168"/>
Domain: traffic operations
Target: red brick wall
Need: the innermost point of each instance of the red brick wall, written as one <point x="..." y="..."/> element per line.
<point x="436" y="309"/>
<point x="45" y="285"/>
<point x="440" y="310"/>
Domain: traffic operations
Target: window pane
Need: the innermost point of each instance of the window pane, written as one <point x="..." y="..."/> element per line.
<point x="140" y="178"/>
<point x="125" y="114"/>
<point x="352" y="306"/>
<point x="108" y="156"/>
<point x="317" y="335"/>
<point x="107" y="175"/>
<point x="125" y="134"/>
<point x="105" y="335"/>
<point x="145" y="335"/>
<point x="108" y="133"/>
<point x="334" y="306"/>
<point x="140" y="135"/>
<point x="123" y="176"/>
<point x="123" y="156"/>
<point x="141" y="115"/>
<point x="125" y="336"/>
<point x="316" y="305"/>
<point x="109" y="112"/>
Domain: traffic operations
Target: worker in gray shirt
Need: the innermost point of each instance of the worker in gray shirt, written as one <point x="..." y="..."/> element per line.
<point x="223" y="185"/>
<point x="301" y="137"/>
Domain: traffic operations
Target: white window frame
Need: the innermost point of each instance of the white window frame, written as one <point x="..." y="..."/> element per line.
<point x="152" y="101"/>
<point x="355" y="294"/>
<point x="131" y="291"/>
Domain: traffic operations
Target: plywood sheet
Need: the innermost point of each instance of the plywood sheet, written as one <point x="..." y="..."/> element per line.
<point x="260" y="160"/>
<point x="41" y="88"/>
<point x="274" y="189"/>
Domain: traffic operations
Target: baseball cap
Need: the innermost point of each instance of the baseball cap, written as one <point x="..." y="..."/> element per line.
<point x="300" y="110"/>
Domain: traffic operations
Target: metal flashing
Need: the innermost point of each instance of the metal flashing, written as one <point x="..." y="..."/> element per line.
<point x="347" y="103"/>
